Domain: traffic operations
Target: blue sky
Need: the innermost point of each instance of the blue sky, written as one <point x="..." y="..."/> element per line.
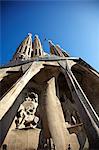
<point x="74" y="25"/>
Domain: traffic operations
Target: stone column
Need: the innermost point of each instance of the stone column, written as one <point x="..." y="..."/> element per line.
<point x="43" y="116"/>
<point x="55" y="124"/>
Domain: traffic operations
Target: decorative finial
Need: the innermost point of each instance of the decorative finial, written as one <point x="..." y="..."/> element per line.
<point x="50" y="43"/>
<point x="36" y="36"/>
<point x="30" y="34"/>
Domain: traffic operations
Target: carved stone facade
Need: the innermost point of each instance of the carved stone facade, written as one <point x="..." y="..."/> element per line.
<point x="25" y="117"/>
<point x="48" y="101"/>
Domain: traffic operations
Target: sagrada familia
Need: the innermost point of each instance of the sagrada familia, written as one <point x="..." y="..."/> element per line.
<point x="48" y="101"/>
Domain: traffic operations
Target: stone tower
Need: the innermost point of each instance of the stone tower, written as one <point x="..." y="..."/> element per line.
<point x="37" y="47"/>
<point x="48" y="101"/>
<point x="24" y="50"/>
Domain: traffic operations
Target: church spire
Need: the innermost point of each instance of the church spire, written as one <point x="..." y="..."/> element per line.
<point x="56" y="50"/>
<point x="64" y="53"/>
<point x="37" y="47"/>
<point x="24" y="50"/>
<point x="52" y="48"/>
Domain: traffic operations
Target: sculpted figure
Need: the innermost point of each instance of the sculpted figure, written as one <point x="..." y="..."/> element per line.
<point x="25" y="116"/>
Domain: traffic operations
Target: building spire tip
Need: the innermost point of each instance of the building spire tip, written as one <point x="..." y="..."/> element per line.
<point x="36" y="36"/>
<point x="30" y="34"/>
<point x="50" y="42"/>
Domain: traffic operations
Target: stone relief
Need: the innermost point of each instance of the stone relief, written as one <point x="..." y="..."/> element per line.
<point x="25" y="117"/>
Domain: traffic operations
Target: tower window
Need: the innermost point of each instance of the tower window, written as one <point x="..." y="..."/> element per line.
<point x="29" y="51"/>
<point x="21" y="57"/>
<point x="32" y="54"/>
<point x="35" y="51"/>
<point x="39" y="52"/>
<point x="25" y="49"/>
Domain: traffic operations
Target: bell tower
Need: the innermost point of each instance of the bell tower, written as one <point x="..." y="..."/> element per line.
<point x="37" y="47"/>
<point x="24" y="50"/>
<point x="28" y="49"/>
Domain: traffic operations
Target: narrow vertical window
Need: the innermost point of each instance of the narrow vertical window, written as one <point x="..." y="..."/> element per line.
<point x="29" y="51"/>
<point x="25" y="49"/>
<point x="35" y="51"/>
<point x="32" y="54"/>
<point x="39" y="52"/>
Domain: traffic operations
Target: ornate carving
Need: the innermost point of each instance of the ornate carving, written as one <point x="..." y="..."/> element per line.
<point x="25" y="117"/>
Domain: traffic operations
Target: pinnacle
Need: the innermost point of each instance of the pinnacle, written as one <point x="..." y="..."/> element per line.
<point x="50" y="43"/>
<point x="28" y="50"/>
<point x="36" y="36"/>
<point x="30" y="34"/>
